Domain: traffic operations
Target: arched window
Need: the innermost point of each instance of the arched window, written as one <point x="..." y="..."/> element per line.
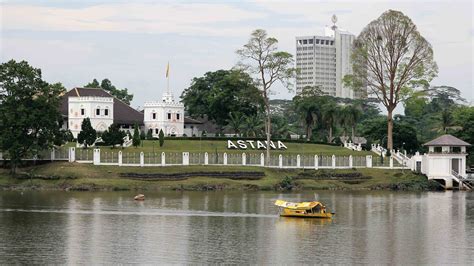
<point x="97" y="110"/>
<point x="153" y="114"/>
<point x="157" y="131"/>
<point x="106" y="111"/>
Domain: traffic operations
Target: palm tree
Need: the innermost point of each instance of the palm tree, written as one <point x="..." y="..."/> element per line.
<point x="329" y="115"/>
<point x="280" y="127"/>
<point x="253" y="125"/>
<point x="309" y="113"/>
<point x="235" y="122"/>
<point x="352" y="114"/>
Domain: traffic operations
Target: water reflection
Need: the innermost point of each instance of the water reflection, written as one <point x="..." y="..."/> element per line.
<point x="235" y="227"/>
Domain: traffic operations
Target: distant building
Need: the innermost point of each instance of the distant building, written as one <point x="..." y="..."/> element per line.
<point x="325" y="60"/>
<point x="100" y="107"/>
<point x="166" y="114"/>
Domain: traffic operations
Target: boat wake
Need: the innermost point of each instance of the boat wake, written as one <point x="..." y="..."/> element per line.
<point x="155" y="212"/>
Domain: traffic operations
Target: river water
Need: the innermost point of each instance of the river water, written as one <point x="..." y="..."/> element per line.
<point x="235" y="227"/>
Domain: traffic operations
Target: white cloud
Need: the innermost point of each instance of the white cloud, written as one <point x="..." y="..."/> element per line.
<point x="192" y="19"/>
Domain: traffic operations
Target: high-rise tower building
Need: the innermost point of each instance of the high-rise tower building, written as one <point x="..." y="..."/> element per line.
<point x="324" y="61"/>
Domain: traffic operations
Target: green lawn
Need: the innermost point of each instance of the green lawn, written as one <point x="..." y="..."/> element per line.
<point x="220" y="146"/>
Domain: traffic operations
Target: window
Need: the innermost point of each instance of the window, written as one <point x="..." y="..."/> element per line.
<point x="455" y="149"/>
<point x="310" y="41"/>
<point x="305" y="41"/>
<point x="153" y="116"/>
<point x="83" y="111"/>
<point x="97" y="111"/>
<point x="177" y="116"/>
<point x="437" y="149"/>
<point x="106" y="112"/>
<point x="156" y="131"/>
<point x="169" y="116"/>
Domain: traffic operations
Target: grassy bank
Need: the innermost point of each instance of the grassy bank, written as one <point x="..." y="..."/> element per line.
<point x="220" y="146"/>
<point x="74" y="176"/>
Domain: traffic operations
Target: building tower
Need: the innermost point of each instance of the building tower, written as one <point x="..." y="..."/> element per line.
<point x="166" y="115"/>
<point x="325" y="60"/>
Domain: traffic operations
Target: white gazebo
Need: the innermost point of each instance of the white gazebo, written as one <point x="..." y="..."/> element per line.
<point x="445" y="161"/>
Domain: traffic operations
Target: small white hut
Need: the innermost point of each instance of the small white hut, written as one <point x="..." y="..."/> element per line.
<point x="445" y="161"/>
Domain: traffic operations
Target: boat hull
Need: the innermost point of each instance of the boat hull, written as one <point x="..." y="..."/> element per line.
<point x="308" y="215"/>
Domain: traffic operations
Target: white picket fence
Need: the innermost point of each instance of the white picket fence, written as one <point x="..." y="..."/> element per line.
<point x="289" y="161"/>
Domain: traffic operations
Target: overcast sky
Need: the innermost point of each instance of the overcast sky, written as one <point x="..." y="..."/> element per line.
<point x="131" y="43"/>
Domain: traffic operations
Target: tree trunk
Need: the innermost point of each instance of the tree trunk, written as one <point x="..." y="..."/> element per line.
<point x="308" y="133"/>
<point x="389" y="130"/>
<point x="268" y="129"/>
<point x="353" y="132"/>
<point x="330" y="134"/>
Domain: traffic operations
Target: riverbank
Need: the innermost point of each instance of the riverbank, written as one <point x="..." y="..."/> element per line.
<point x="87" y="177"/>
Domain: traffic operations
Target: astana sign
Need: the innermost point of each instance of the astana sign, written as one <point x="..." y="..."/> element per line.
<point x="255" y="144"/>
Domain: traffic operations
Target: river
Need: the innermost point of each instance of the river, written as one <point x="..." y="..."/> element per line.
<point x="235" y="227"/>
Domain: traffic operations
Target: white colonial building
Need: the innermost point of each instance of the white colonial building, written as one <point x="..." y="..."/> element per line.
<point x="100" y="107"/>
<point x="445" y="161"/>
<point x="167" y="115"/>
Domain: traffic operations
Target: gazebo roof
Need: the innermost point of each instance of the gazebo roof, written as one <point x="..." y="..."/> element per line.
<point x="446" y="140"/>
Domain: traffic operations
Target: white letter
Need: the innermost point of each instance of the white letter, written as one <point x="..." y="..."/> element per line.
<point x="260" y="145"/>
<point x="281" y="145"/>
<point x="231" y="145"/>
<point x="242" y="144"/>
<point x="251" y="143"/>
<point x="272" y="145"/>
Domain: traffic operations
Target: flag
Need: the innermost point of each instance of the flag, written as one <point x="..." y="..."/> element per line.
<point x="168" y="70"/>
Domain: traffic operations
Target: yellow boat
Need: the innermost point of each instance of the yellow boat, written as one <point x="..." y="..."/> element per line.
<point x="312" y="209"/>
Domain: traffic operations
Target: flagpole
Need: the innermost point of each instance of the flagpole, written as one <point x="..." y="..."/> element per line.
<point x="168" y="78"/>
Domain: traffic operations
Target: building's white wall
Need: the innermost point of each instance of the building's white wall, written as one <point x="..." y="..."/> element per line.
<point x="172" y="126"/>
<point x="99" y="122"/>
<point x="437" y="165"/>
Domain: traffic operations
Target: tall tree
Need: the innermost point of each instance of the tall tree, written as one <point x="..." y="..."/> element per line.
<point x="307" y="104"/>
<point x="261" y="59"/>
<point x="220" y="93"/>
<point x="391" y="57"/>
<point x="29" y="111"/>
<point x="161" y="137"/>
<point x="106" y="84"/>
<point x="88" y="135"/>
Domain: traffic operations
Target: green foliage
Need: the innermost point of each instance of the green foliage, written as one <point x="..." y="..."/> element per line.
<point x="106" y="84"/>
<point x="161" y="137"/>
<point x="113" y="136"/>
<point x="368" y="145"/>
<point x="235" y="122"/>
<point x="149" y="134"/>
<point x="404" y="134"/>
<point x="464" y="117"/>
<point x="253" y="126"/>
<point x="88" y="135"/>
<point x="287" y="183"/>
<point x="142" y="135"/>
<point x="136" y="136"/>
<point x="29" y="111"/>
<point x="221" y="93"/>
